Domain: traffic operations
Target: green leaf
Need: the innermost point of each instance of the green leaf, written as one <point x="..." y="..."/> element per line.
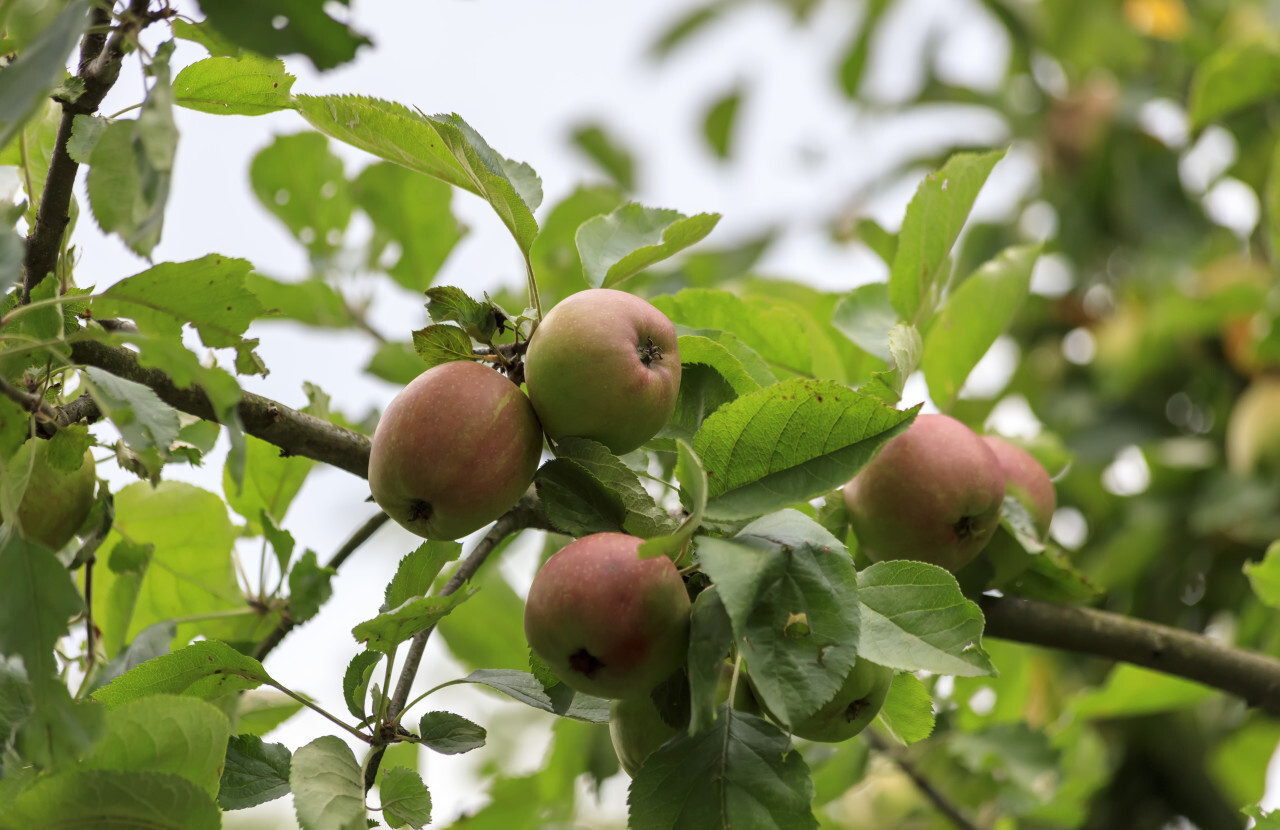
<point x="328" y="787"/>
<point x="855" y="59"/>
<point x="1263" y="820"/>
<point x="255" y="773"/>
<point x="866" y="317"/>
<point x="1131" y="690"/>
<point x="127" y="194"/>
<point x="207" y="669"/>
<point x="974" y="315"/>
<point x="934" y="218"/>
<point x="686" y="26"/>
<point x="308" y="28"/>
<point x="309" y="587"/>
<point x="775" y="570"/>
<point x="385" y="631"/>
<point x="633" y="237"/>
<point x="768" y="329"/>
<point x="437" y="344"/>
<point x="405" y="799"/>
<point x="271" y="481"/>
<point x="299" y="180"/>
<point x="396" y="363"/>
<point x="312" y="302"/>
<point x="192" y="538"/>
<point x="947" y="640"/>
<point x="703" y="351"/>
<point x="742" y="772"/>
<point x="602" y="148"/>
<point x="491" y="632"/>
<point x="37" y="598"/>
<point x="261" y="711"/>
<point x="208" y="293"/>
<point x="527" y="689"/>
<point x="418" y="570"/>
<point x="693" y="495"/>
<point x="1236" y="76"/>
<point x="643" y="516"/>
<point x="1264" y="576"/>
<point x="149" y="425"/>
<point x="788" y="443"/>
<point x="246" y="85"/>
<point x="59" y="731"/>
<point x="905" y="347"/>
<point x="85" y="132"/>
<point x="717" y="125"/>
<point x="554" y="254"/>
<point x="413" y="211"/>
<point x="450" y="734"/>
<point x="447" y="304"/>
<point x="710" y="636"/>
<point x="102" y="799"/>
<point x="164" y="733"/>
<point x="355" y="681"/>
<point x="576" y="502"/>
<point x="152" y="641"/>
<point x="908" y="710"/>
<point x="27" y="81"/>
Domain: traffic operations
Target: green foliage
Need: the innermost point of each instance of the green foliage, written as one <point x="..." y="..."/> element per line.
<point x="255" y="773"/>
<point x="27" y="81"/>
<point x="328" y="790"/>
<point x="634" y="237"/>
<point x="207" y="670"/>
<point x="246" y="85"/>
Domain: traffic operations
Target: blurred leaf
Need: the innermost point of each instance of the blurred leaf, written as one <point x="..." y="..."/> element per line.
<point x="164" y="733"/>
<point x="309" y="587"/>
<point x="686" y="26"/>
<point x="633" y="237"/>
<point x="308" y="28"/>
<point x="146" y="422"/>
<point x="37" y="597"/>
<point x="908" y="710"/>
<point x="299" y="180"/>
<point x="1264" y="576"/>
<point x="710" y="637"/>
<point x="261" y="711"/>
<point x="788" y="443"/>
<point x="152" y="641"/>
<point x="866" y="317"/>
<point x="605" y="151"/>
<point x="115" y="798"/>
<point x="854" y="61"/>
<point x="490" y="631"/>
<point x="555" y="257"/>
<point x="405" y="800"/>
<point x="396" y="363"/>
<point x="271" y="481"/>
<point x="1131" y="690"/>
<point x="311" y="301"/>
<point x="934" y="218"/>
<point x="1236" y="76"/>
<point x="948" y="640"/>
<point x="450" y="734"/>
<point x="246" y="85"/>
<point x="207" y="669"/>
<point x="974" y="315"/>
<point x="328" y="787"/>
<point x="740" y="773"/>
<point x="1239" y="762"/>
<point x="718" y="124"/>
<point x="27" y="81"/>
<point x="1263" y="820"/>
<point x="413" y="211"/>
<point x="255" y="773"/>
<point x="905" y="347"/>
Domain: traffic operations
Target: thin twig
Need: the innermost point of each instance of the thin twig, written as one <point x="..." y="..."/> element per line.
<point x="524" y="514"/>
<point x="939" y="799"/>
<point x="349" y="547"/>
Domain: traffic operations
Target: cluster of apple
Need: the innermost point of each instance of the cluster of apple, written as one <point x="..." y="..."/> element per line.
<point x="460" y="444"/>
<point x="935" y="493"/>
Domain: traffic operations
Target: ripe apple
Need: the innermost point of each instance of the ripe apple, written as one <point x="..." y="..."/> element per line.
<point x="932" y="494"/>
<point x="454" y="450"/>
<point x="607" y="622"/>
<point x="1026" y="480"/>
<point x="56" y="502"/>
<point x="603" y="364"/>
<point x="855" y="705"/>
<point x="1253" y="429"/>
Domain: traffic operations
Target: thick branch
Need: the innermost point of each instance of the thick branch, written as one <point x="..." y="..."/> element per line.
<point x="99" y="67"/>
<point x="297" y="433"/>
<point x="1254" y="677"/>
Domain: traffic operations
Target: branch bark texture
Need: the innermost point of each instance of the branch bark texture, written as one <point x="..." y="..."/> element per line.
<point x="1251" y="676"/>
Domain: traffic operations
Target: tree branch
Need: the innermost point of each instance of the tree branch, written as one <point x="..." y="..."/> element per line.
<point x="1254" y="677"/>
<point x="908" y="767"/>
<point x="297" y="433"/>
<point x="100" y="59"/>
<point x="523" y="515"/>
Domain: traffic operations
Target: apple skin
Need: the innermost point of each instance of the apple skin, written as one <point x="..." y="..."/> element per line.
<point x="454" y="450"/>
<point x="56" y="502"/>
<point x="1253" y="428"/>
<point x="604" y="364"/>
<point x="1026" y="480"/>
<point x="607" y="622"/>
<point x="852" y="709"/>
<point x="932" y="494"/>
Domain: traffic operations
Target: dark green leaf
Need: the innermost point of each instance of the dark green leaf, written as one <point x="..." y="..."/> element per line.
<point x="908" y="710"/>
<point x="578" y="503"/>
<point x="527" y="689"/>
<point x="450" y="734"/>
<point x="307" y="28"/>
<point x="385" y="631"/>
<point x="606" y="152"/>
<point x="355" y="681"/>
<point x="644" y="518"/>
<point x="309" y="587"/>
<point x="710" y="636"/>
<point x="418" y="570"/>
<point x="255" y="773"/>
<point x="448" y="304"/>
<point x="438" y="344"/>
<point x="37" y="598"/>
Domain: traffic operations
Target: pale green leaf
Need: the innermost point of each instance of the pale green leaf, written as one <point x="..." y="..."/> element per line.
<point x="1264" y="576"/>
<point x="605" y="150"/>
<point x="405" y="800"/>
<point x="247" y="85"/>
<point x="1236" y="76"/>
<point x="385" y="631"/>
<point x="437" y="344"/>
<point x="328" y="787"/>
<point x="271" y="481"/>
<point x="413" y="211"/>
<point x="27" y="81"/>
<point x="693" y="495"/>
<point x="1132" y="690"/>
<point x="908" y="710"/>
<point x="108" y="799"/>
<point x="164" y="733"/>
<point x="866" y="317"/>
<point x="768" y="329"/>
<point x="299" y="180"/>
<point x="207" y="669"/>
<point x="527" y="689"/>
<point x="633" y="237"/>
<point x="418" y="570"/>
<point x="718" y="123"/>
<point x="695" y="349"/>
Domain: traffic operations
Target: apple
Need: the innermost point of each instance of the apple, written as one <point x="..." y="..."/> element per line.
<point x="603" y="364"/>
<point x="1026" y="480"/>
<point x="1253" y="428"/>
<point x="56" y="502"/>
<point x="932" y="494"/>
<point x="454" y="450"/>
<point x="607" y="622"/>
<point x="855" y="705"/>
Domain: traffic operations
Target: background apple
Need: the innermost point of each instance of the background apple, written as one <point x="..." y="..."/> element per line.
<point x="454" y="450"/>
<point x="606" y="622"/>
<point x="56" y="502"/>
<point x="932" y="494"/>
<point x="1026" y="480"/>
<point x="1253" y="429"/>
<point x="603" y="364"/>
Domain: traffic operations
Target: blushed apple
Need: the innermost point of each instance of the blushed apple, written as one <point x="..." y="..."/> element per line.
<point x="604" y="364"/>
<point x="454" y="450"/>
<point x="1026" y="480"/>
